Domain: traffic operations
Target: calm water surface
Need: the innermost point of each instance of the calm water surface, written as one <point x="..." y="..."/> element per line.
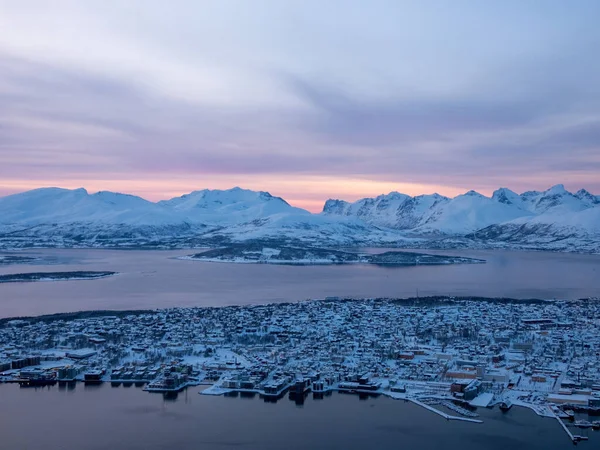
<point x="118" y="418"/>
<point x="155" y="279"/>
<point x="127" y="418"/>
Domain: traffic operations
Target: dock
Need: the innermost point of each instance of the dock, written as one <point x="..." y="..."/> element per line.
<point x="441" y="413"/>
<point x="164" y="389"/>
<point x="574" y="438"/>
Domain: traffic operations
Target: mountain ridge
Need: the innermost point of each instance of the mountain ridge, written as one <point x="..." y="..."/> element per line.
<point x="554" y="219"/>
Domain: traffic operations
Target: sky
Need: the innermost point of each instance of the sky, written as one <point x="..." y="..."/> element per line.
<point x="305" y="99"/>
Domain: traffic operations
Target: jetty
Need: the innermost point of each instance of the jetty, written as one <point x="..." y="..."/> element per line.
<point x="441" y="413"/>
<point x="574" y="438"/>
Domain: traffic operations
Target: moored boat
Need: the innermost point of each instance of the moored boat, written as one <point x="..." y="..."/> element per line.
<point x="583" y="424"/>
<point x="505" y="405"/>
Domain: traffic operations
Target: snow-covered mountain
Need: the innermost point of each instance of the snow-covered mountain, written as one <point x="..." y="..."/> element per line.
<point x="551" y="230"/>
<point x="61" y="206"/>
<point x="394" y="210"/>
<point x="561" y="221"/>
<point x="540" y="202"/>
<point x="232" y="206"/>
<point x="552" y="219"/>
<point x="62" y="217"/>
<point x="428" y="214"/>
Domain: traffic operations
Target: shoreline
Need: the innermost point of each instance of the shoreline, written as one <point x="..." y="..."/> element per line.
<point x="323" y="262"/>
<point x="71" y="315"/>
<point x="356" y="246"/>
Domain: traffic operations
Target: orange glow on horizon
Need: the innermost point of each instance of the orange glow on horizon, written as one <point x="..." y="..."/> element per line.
<point x="308" y="192"/>
<point x="304" y="191"/>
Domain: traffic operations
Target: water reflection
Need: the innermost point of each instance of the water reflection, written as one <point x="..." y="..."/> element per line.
<point x="134" y="419"/>
<point x="153" y="279"/>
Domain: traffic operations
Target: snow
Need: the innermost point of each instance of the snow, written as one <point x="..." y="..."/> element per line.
<point x="482" y="400"/>
<point x="229" y="206"/>
<point x="554" y="219"/>
<point x="428" y="214"/>
<point x="307" y="227"/>
<point x="587" y="220"/>
<point x="54" y="205"/>
<point x="470" y="212"/>
<point x="555" y="197"/>
<point x="394" y="210"/>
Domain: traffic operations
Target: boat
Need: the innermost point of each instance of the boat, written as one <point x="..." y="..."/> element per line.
<point x="570" y="414"/>
<point x="583" y="424"/>
<point x="505" y="405"/>
<point x="596" y="424"/>
<point x="459" y="409"/>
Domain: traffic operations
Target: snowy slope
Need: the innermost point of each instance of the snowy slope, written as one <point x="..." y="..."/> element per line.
<point x="394" y="210"/>
<point x="61" y="217"/>
<point x="60" y="206"/>
<point x="586" y="220"/>
<point x="469" y="212"/>
<point x="428" y="214"/>
<point x="551" y="219"/>
<point x="230" y="206"/>
<point x="552" y="230"/>
<point x="508" y="197"/>
<point x="587" y="198"/>
<point x="556" y="197"/>
<point x="310" y="228"/>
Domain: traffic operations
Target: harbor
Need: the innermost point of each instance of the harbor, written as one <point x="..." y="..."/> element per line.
<point x="452" y="357"/>
<point x="337" y="419"/>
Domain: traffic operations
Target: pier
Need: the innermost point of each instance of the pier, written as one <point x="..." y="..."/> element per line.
<point x="574" y="438"/>
<point x="441" y="413"/>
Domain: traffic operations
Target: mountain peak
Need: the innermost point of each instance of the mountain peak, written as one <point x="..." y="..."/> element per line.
<point x="586" y="196"/>
<point x="335" y="206"/>
<point x="232" y="195"/>
<point x="393" y="195"/>
<point x="241" y="213"/>
<point x="557" y="189"/>
<point x="505" y="195"/>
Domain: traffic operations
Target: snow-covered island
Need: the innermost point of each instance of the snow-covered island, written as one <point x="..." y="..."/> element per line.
<point x="53" y="276"/>
<point x="259" y="253"/>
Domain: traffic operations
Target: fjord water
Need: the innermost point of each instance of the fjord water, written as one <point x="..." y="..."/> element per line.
<point x="156" y="279"/>
<point x="102" y="417"/>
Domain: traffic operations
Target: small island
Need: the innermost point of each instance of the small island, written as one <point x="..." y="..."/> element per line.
<point x="53" y="276"/>
<point x="290" y="255"/>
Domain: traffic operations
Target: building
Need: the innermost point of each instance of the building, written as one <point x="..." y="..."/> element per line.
<point x="25" y="362"/>
<point x="80" y="354"/>
<point x="581" y="400"/>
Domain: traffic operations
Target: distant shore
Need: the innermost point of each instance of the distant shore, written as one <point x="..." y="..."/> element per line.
<point x="259" y="253"/>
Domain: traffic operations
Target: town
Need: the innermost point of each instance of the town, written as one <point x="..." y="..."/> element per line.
<point x="449" y="355"/>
